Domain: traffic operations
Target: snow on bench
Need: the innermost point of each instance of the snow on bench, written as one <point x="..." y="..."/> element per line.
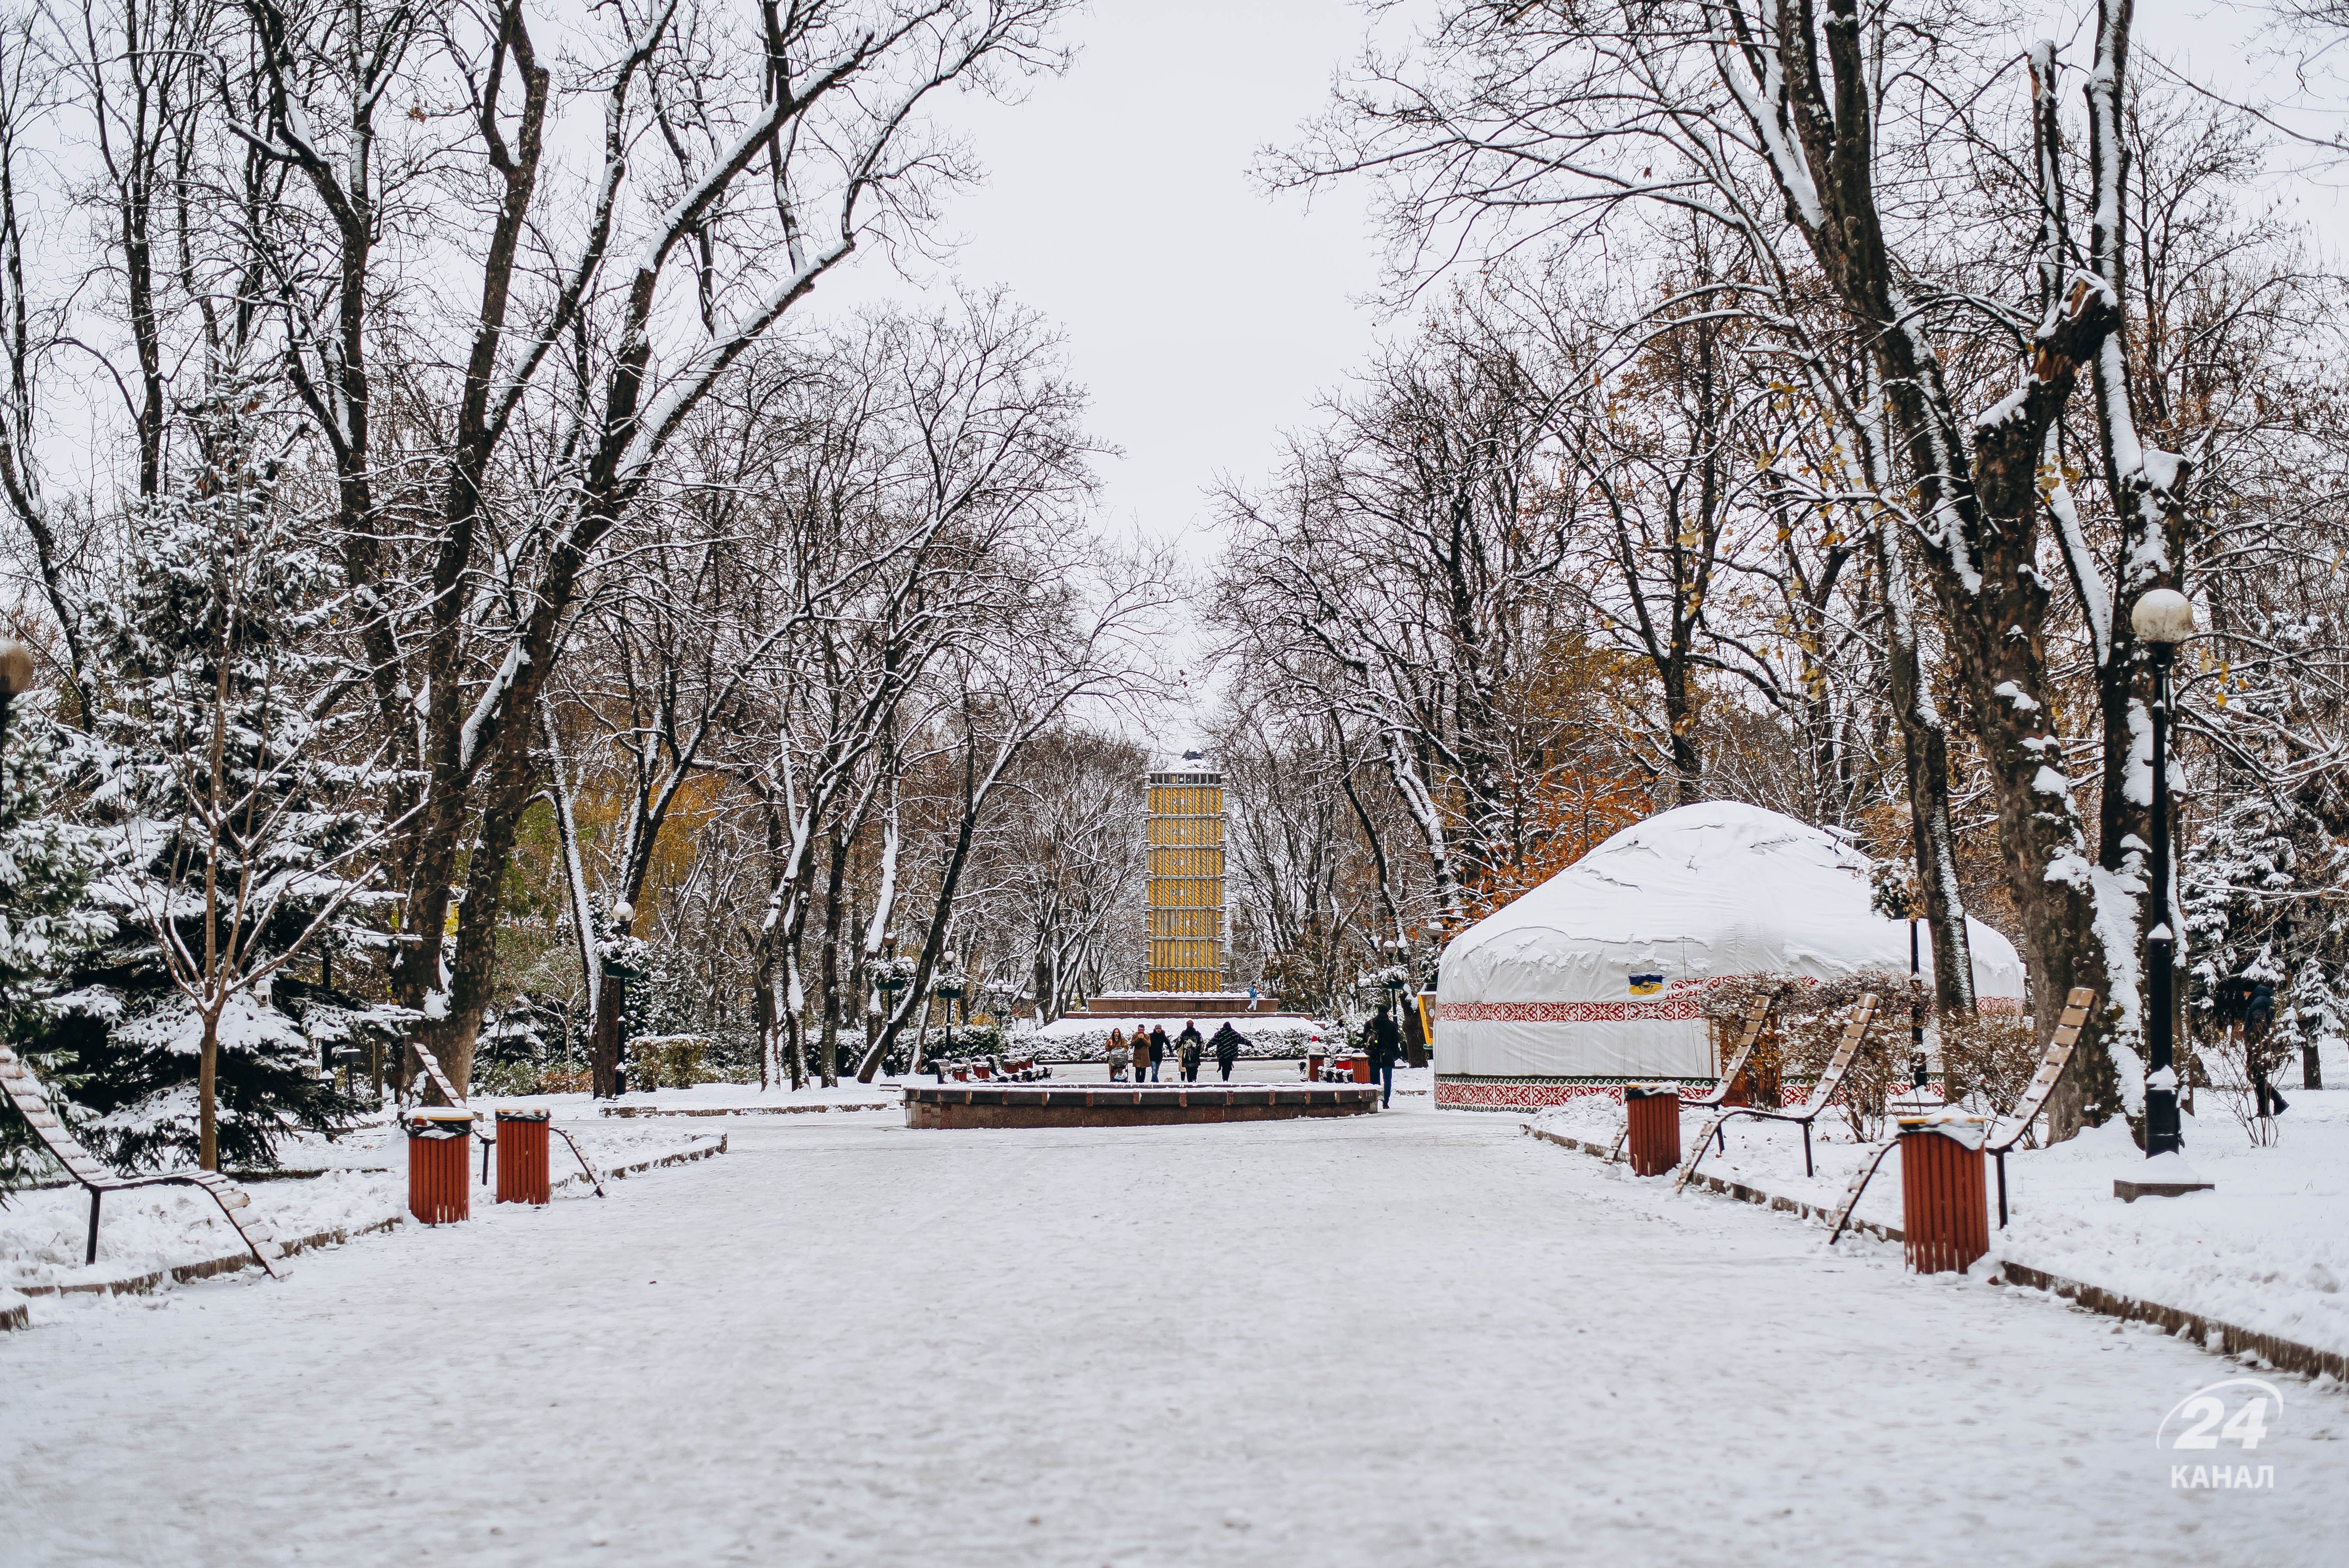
<point x="2060" y="1046"/>
<point x="1855" y="1034"/>
<point x="2051" y="1067"/>
<point x="32" y="1102"/>
<point x="1749" y="1035"/>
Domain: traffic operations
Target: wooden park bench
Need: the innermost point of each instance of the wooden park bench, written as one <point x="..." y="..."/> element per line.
<point x="2051" y="1066"/>
<point x="1750" y="1023"/>
<point x="25" y="1092"/>
<point x="1823" y="1092"/>
<point x="439" y="1076"/>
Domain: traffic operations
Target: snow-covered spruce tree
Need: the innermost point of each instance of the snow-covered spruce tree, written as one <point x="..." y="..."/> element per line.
<point x="234" y="804"/>
<point x="45" y="924"/>
<point x="2260" y="886"/>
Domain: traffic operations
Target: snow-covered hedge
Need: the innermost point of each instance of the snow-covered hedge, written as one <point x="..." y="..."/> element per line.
<point x="1087" y="1039"/>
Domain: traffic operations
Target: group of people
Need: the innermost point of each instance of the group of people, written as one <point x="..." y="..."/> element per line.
<point x="1148" y="1052"/>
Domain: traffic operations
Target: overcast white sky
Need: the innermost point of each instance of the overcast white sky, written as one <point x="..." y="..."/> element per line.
<point x="1203" y="315"/>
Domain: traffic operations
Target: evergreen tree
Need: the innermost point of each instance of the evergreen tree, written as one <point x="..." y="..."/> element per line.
<point x="2260" y="886"/>
<point x="237" y="806"/>
<point x="45" y="924"/>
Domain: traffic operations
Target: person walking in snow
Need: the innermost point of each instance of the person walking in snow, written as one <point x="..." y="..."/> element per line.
<point x="1142" y="1056"/>
<point x="1187" y="1047"/>
<point x="1157" y="1050"/>
<point x="1226" y="1046"/>
<point x="1386" y="1044"/>
<point x="1118" y="1056"/>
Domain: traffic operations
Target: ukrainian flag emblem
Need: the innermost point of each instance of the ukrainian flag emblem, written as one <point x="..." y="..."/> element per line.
<point x="1646" y="984"/>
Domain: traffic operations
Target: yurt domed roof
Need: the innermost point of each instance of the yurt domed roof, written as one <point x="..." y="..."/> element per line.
<point x="1600" y="972"/>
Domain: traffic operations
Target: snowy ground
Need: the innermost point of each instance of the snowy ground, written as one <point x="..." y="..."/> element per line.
<point x="2267" y="1251"/>
<point x="1414" y="1338"/>
<point x="715" y="1097"/>
<point x="44" y="1231"/>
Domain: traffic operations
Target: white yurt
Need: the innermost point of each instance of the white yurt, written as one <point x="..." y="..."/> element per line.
<point x="1598" y="977"/>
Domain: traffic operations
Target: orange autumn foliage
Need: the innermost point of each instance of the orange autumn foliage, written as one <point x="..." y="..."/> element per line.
<point x="1571" y="813"/>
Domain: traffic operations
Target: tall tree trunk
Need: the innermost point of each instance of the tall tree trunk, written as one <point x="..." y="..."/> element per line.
<point x="1984" y="518"/>
<point x="208" y="1094"/>
<point x="828" y="1062"/>
<point x="1925" y="748"/>
<point x="763" y="1008"/>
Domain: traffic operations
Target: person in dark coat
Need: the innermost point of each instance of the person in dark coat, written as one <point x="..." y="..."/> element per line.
<point x="1386" y="1044"/>
<point x="1157" y="1050"/>
<point x="1187" y="1047"/>
<point x="1226" y="1046"/>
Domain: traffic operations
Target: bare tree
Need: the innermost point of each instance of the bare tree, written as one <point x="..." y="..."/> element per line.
<point x="1774" y="125"/>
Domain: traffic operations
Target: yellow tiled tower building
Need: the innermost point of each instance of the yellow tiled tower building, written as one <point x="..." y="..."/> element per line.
<point x="1186" y="880"/>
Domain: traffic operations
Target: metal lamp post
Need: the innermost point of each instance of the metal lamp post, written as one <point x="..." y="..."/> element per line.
<point x="1893" y="899"/>
<point x="610" y="1024"/>
<point x="1917" y="1072"/>
<point x="947" y="988"/>
<point x="2162" y="619"/>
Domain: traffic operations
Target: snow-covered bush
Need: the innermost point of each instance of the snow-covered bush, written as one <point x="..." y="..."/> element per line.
<point x="1281" y="1038"/>
<point x="1809" y="1018"/>
<point x="1987" y="1060"/>
<point x="972" y="1040"/>
<point x="664" y="1061"/>
<point x="525" y="1046"/>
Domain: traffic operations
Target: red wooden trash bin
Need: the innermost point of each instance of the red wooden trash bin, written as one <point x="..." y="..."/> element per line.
<point x="1653" y="1112"/>
<point x="1361" y="1066"/>
<point x="1944" y="1210"/>
<point x="440" y="1180"/>
<point x="522" y="1157"/>
<point x="1313" y="1060"/>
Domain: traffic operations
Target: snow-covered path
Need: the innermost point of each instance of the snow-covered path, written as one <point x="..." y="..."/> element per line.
<point x="1414" y="1338"/>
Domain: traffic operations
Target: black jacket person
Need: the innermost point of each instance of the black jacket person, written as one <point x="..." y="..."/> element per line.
<point x="1385" y="1043"/>
<point x="1226" y="1046"/>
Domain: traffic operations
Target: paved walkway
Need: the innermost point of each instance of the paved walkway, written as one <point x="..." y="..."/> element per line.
<point x="1414" y="1339"/>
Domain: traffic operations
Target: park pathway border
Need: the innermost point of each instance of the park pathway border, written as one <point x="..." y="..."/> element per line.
<point x="2214" y="1334"/>
<point x="19" y="1315"/>
<point x="747" y="1109"/>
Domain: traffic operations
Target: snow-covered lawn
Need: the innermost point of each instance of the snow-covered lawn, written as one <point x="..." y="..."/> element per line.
<point x="715" y="1097"/>
<point x="44" y="1231"/>
<point x="1413" y="1338"/>
<point x="2267" y="1251"/>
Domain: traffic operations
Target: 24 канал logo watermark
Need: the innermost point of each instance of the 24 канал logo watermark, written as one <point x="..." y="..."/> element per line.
<point x="2212" y="1434"/>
